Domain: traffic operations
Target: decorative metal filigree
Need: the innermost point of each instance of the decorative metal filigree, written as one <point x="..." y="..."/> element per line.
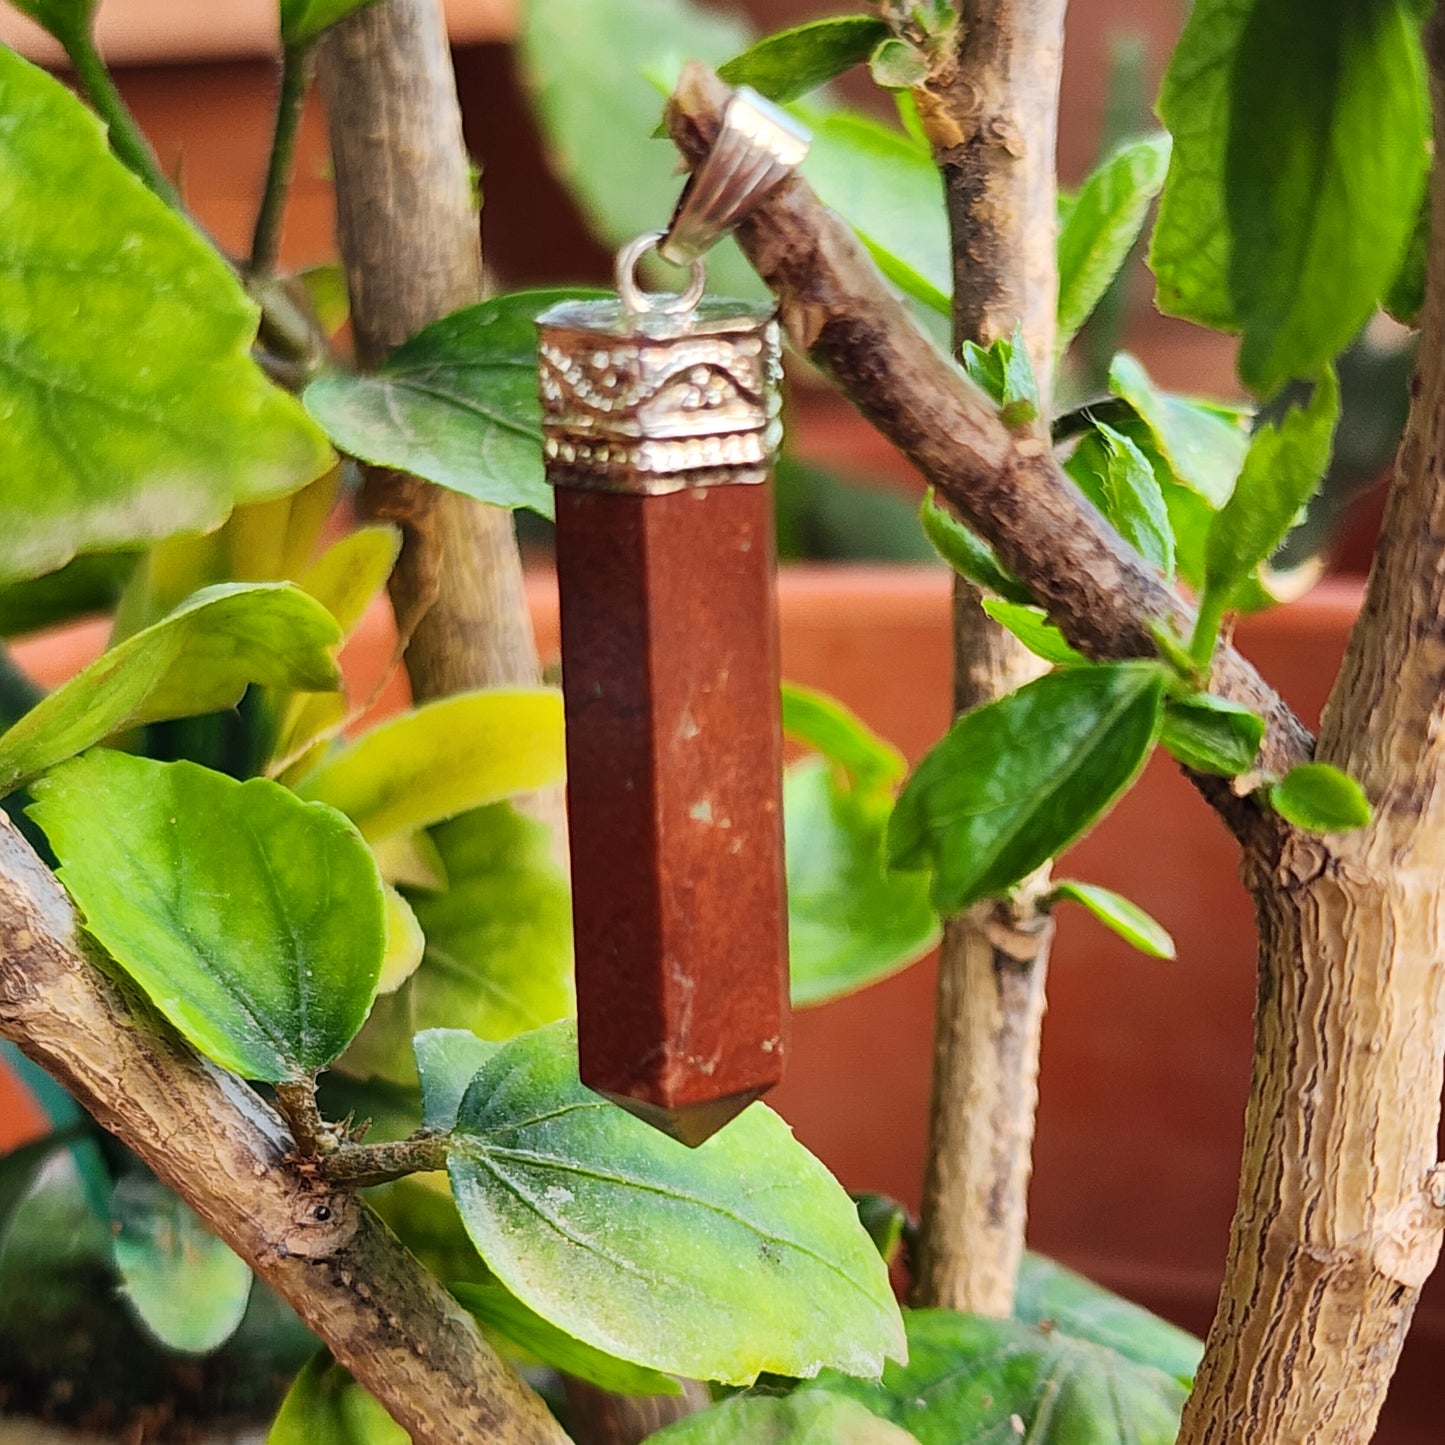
<point x="658" y="402"/>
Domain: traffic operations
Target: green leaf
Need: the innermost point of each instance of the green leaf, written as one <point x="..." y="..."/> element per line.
<point x="20" y="1167"/>
<point x="350" y="574"/>
<point x="793" y="62"/>
<point x="851" y="922"/>
<point x="1406" y="295"/>
<point x="967" y="554"/>
<point x="1300" y="134"/>
<point x="1101" y="226"/>
<point x="497" y="1308"/>
<point x="132" y="408"/>
<point x="1281" y="471"/>
<point x="992" y="1382"/>
<point x="898" y="64"/>
<point x="721" y="1262"/>
<point x="404" y="943"/>
<point x="590" y="66"/>
<point x="1115" y="912"/>
<point x="447" y="1060"/>
<point x="302" y="21"/>
<point x="886" y="1220"/>
<point x="324" y="286"/>
<point x="1014" y="783"/>
<point x="188" y="1288"/>
<point x="66" y="20"/>
<point x="812" y="1418"/>
<point x="200" y="659"/>
<point x="1204" y="447"/>
<point x="81" y="588"/>
<point x="889" y="191"/>
<point x="411" y="860"/>
<point x="1134" y="501"/>
<point x="253" y="921"/>
<point x="825" y="726"/>
<point x="1211" y="734"/>
<point x="1052" y="1297"/>
<point x="444" y="758"/>
<point x="1032" y="627"/>
<point x="457" y="404"/>
<point x="325" y="1406"/>
<point x="1190" y="515"/>
<point x="1005" y="372"/>
<point x="498" y="956"/>
<point x="1320" y="799"/>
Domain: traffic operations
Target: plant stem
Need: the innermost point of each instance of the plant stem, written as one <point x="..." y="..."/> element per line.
<point x="1340" y="1217"/>
<point x="204" y="1133"/>
<point x="297" y="1101"/>
<point x="358" y="1166"/>
<point x="990" y="111"/>
<point x="126" y="139"/>
<point x="296" y="69"/>
<point x="409" y="235"/>
<point x="1206" y="629"/>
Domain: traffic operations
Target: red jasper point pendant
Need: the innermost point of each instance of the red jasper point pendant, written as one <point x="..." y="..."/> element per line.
<point x="659" y="432"/>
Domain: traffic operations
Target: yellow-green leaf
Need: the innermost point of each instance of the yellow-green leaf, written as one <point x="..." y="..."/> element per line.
<point x="349" y="574"/>
<point x="200" y="659"/>
<point x="404" y="943"/>
<point x="130" y="409"/>
<point x="443" y="759"/>
<point x="498" y="954"/>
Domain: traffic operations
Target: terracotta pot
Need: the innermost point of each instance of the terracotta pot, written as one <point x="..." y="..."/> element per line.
<point x="1146" y="1065"/>
<point x="150" y="32"/>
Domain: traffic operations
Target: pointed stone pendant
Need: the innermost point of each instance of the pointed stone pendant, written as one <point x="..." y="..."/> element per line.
<point x="660" y="431"/>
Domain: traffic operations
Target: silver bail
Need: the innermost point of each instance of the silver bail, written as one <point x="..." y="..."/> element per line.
<point x="758" y="145"/>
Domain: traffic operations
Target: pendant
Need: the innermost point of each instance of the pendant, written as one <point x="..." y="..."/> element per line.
<point x="660" y="427"/>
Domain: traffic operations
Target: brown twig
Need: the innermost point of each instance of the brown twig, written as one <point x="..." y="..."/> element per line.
<point x="1006" y="485"/>
<point x="297" y="1102"/>
<point x="211" y="1139"/>
<point x="359" y="1166"/>
<point x="990" y="108"/>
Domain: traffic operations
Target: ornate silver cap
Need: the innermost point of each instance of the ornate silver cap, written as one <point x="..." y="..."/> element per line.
<point x="658" y="401"/>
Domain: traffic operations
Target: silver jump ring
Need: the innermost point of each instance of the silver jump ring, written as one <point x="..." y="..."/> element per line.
<point x="638" y="301"/>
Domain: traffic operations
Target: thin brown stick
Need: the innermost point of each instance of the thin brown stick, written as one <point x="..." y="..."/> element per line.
<point x="359" y="1166"/>
<point x="226" y="1153"/>
<point x="409" y="237"/>
<point x="991" y="110"/>
<point x="1341" y="1209"/>
<point x="1007" y="485"/>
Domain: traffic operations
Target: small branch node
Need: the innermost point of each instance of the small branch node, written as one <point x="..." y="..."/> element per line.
<point x="314" y="1136"/>
<point x="1435" y="1186"/>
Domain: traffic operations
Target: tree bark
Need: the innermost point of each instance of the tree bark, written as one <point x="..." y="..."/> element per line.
<point x="409" y="237"/>
<point x="1005" y="484"/>
<point x="991" y="111"/>
<point x="1342" y="1200"/>
<point x="225" y="1152"/>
